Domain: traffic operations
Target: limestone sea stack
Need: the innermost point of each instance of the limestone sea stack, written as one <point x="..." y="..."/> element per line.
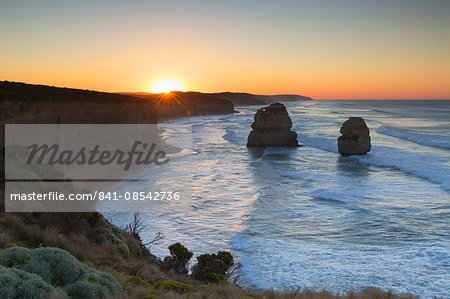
<point x="272" y="127"/>
<point x="355" y="139"/>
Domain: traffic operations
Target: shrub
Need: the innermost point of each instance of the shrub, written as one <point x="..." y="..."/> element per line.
<point x="136" y="280"/>
<point x="94" y="284"/>
<point x="213" y="267"/>
<point x="58" y="268"/>
<point x="178" y="259"/>
<point x="16" y="283"/>
<point x="115" y="235"/>
<point x="176" y="286"/>
<point x="215" y="278"/>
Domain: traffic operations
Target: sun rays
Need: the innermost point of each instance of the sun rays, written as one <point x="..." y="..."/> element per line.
<point x="166" y="85"/>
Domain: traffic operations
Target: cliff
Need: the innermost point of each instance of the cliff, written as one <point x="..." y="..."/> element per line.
<point x="27" y="103"/>
<point x="247" y="99"/>
<point x="22" y="103"/>
<point x="180" y="104"/>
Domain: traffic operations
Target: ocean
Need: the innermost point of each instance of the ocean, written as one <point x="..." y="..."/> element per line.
<point x="307" y="217"/>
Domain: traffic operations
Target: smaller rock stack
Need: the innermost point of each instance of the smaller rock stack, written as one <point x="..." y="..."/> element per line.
<point x="272" y="127"/>
<point x="355" y="139"/>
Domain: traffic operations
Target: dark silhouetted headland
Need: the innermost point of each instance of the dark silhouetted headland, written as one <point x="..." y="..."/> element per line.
<point x="247" y="99"/>
<point x="181" y="104"/>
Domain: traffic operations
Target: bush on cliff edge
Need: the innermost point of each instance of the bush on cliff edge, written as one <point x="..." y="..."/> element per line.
<point x="178" y="259"/>
<point x="213" y="268"/>
<point x="56" y="268"/>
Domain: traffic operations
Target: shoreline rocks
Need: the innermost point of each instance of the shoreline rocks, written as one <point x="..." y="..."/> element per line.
<point x="272" y="127"/>
<point x="355" y="139"/>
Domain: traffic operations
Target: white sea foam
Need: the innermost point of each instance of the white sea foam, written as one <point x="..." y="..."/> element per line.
<point x="332" y="196"/>
<point x="418" y="268"/>
<point x="434" y="140"/>
<point x="182" y="153"/>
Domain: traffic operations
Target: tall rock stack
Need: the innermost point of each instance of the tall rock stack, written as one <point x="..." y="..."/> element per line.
<point x="272" y="127"/>
<point x="355" y="139"/>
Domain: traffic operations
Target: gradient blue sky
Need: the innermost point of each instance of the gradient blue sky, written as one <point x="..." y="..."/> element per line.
<point x="323" y="49"/>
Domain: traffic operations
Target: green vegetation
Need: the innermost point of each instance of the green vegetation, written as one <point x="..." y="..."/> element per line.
<point x="52" y="268"/>
<point x="139" y="281"/>
<point x="213" y="268"/>
<point x="115" y="235"/>
<point x="176" y="286"/>
<point x="16" y="283"/>
<point x="178" y="259"/>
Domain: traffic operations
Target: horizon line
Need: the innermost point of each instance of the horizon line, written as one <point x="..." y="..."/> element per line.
<point x="245" y="92"/>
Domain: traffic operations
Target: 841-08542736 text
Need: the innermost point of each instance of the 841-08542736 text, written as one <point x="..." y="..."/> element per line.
<point x="155" y="195"/>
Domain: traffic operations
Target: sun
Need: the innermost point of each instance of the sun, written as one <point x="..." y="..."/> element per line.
<point x="166" y="85"/>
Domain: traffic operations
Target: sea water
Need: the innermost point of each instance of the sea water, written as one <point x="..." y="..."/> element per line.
<point x="307" y="217"/>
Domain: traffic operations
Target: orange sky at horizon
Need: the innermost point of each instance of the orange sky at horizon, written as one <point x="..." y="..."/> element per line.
<point x="355" y="50"/>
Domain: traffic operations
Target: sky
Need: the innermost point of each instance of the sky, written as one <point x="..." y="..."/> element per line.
<point x="334" y="49"/>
